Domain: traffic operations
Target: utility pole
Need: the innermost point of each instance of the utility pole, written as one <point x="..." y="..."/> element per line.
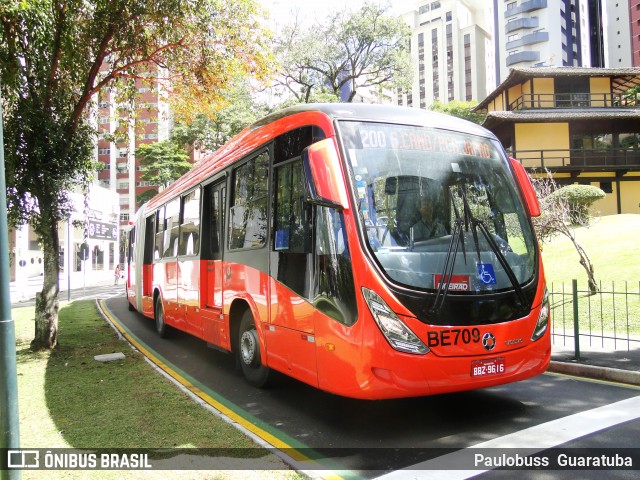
<point x="9" y="417"/>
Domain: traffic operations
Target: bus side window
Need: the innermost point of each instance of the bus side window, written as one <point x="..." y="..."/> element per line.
<point x="248" y="210"/>
<point x="335" y="290"/>
<point x="172" y="217"/>
<point x="161" y="225"/>
<point x="190" y="227"/>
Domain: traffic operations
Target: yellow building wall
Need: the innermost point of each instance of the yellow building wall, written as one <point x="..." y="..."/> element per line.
<point x="630" y="196"/>
<point x="600" y="89"/>
<point x="543" y="88"/>
<point x="609" y="204"/>
<point x="531" y="138"/>
<point x="514" y="93"/>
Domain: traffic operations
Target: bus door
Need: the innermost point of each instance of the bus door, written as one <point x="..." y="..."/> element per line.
<point x="130" y="279"/>
<point x="213" y="208"/>
<point x="170" y="257"/>
<point x="291" y="344"/>
<point x="189" y="262"/>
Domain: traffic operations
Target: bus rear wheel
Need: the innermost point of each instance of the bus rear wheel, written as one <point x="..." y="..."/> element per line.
<point x="161" y="327"/>
<point x="249" y="352"/>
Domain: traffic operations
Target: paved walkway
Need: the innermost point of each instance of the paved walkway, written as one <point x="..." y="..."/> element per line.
<point x="617" y="361"/>
<point x="23" y="292"/>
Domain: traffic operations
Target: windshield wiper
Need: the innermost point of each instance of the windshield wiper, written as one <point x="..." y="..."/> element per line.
<point x="475" y="223"/>
<point x="522" y="299"/>
<point x="450" y="260"/>
<point x="458" y="237"/>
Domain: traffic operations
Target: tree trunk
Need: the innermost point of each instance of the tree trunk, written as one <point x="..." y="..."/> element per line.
<point x="47" y="302"/>
<point x="588" y="266"/>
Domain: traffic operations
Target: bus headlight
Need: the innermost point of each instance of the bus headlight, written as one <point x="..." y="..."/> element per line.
<point x="543" y="318"/>
<point x="399" y="336"/>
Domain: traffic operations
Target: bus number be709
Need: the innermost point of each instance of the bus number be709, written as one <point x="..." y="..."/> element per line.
<point x="453" y="336"/>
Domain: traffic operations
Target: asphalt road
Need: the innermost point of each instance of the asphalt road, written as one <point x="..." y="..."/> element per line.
<point x="377" y="438"/>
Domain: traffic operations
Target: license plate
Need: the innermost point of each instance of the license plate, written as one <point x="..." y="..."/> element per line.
<point x="491" y="366"/>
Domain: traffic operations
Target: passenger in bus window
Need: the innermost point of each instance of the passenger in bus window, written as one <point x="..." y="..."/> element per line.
<point x="427" y="226"/>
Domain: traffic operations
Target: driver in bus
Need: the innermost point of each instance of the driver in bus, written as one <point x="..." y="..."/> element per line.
<point x="427" y="226"/>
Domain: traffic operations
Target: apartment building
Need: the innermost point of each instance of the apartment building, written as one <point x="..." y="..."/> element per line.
<point x="463" y="49"/>
<point x="122" y="129"/>
<point x="449" y="52"/>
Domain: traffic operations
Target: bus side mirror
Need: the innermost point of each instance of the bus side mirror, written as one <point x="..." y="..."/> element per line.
<point x="530" y="197"/>
<point x="324" y="180"/>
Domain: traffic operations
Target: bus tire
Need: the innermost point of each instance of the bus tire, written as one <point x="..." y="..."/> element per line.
<point x="249" y="352"/>
<point x="131" y="307"/>
<point x="161" y="327"/>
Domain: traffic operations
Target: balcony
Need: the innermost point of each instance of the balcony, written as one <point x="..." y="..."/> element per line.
<point x="530" y="101"/>
<point x="530" y="39"/>
<point x="525" y="7"/>
<point x="619" y="160"/>
<point x="523" y="57"/>
<point x="522" y="23"/>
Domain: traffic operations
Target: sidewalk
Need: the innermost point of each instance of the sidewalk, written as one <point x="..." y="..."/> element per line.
<point x="23" y="293"/>
<point x="617" y="361"/>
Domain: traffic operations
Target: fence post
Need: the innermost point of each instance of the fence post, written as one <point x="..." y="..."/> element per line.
<point x="576" y="322"/>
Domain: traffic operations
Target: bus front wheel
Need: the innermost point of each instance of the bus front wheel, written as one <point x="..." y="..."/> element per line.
<point x="249" y="352"/>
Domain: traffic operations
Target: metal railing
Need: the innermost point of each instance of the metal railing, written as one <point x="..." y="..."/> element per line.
<point x="614" y="158"/>
<point x="529" y="101"/>
<point x="609" y="319"/>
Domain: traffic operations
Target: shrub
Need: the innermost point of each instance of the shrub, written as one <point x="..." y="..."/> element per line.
<point x="579" y="198"/>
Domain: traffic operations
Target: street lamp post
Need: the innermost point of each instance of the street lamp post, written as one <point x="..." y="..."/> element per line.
<point x="9" y="417"/>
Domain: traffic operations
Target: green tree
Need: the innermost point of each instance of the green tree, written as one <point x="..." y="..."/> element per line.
<point x="57" y="55"/>
<point x="352" y="50"/>
<point x="459" y="109"/>
<point x="162" y="162"/>
<point x="210" y="132"/>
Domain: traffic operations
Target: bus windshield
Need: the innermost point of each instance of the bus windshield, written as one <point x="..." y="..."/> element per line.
<point x="439" y="207"/>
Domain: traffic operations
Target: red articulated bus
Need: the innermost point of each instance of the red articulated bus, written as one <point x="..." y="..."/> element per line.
<point x="370" y="251"/>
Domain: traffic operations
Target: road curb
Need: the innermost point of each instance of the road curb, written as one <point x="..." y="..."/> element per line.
<point x="598" y="373"/>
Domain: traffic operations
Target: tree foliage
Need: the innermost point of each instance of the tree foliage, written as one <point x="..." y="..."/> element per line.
<point x="350" y="51"/>
<point x="210" y="132"/>
<point x="561" y="214"/>
<point x="162" y="162"/>
<point x="57" y="55"/>
<point x="459" y="109"/>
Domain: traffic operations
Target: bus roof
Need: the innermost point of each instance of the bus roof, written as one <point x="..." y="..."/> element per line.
<point x="321" y="114"/>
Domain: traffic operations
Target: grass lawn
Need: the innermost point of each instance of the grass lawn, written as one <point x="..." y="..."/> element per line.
<point x="67" y="399"/>
<point x="613" y="245"/>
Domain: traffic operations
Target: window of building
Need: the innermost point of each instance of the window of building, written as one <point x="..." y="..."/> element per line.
<point x="606" y="187"/>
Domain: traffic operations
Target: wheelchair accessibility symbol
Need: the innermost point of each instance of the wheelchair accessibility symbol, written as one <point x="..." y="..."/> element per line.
<point x="486" y="274"/>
